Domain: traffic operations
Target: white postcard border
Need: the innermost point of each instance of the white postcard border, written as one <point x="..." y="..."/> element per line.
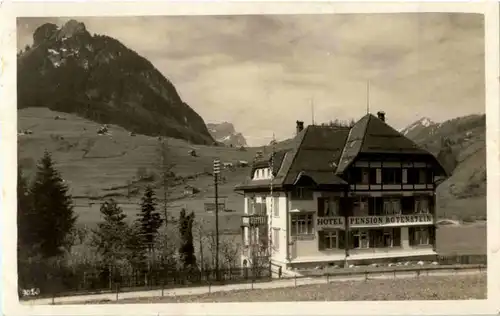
<point x="8" y="141"/>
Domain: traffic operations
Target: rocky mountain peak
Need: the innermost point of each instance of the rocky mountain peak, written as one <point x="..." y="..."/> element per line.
<point x="71" y="28"/>
<point x="44" y="32"/>
<point x="99" y="78"/>
<point x="225" y="133"/>
<point x="50" y="31"/>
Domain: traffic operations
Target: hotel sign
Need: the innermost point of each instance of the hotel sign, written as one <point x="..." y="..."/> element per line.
<point x="394" y="220"/>
<point x="330" y="222"/>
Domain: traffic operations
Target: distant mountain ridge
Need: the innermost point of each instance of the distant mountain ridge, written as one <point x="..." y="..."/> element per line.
<point x="225" y="133"/>
<point x="416" y="127"/>
<point x="95" y="76"/>
<point x="460" y="145"/>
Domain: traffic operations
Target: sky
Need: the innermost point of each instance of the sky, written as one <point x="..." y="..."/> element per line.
<point x="263" y="72"/>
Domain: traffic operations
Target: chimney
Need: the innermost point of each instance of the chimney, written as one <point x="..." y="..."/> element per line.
<point x="300" y="126"/>
<point x="381" y="115"/>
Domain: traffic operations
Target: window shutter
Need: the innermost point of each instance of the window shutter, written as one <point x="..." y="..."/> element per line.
<point x="350" y="243"/>
<point x="321" y="207"/>
<point x="372" y="237"/>
<point x="396" y="235"/>
<point x="432" y="234"/>
<point x="343" y="206"/>
<point x="411" y="236"/>
<point x="432" y="202"/>
<point x="341" y="237"/>
<point x="321" y="240"/>
<point x="399" y="175"/>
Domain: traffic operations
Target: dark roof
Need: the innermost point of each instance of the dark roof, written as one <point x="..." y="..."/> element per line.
<point x="316" y="151"/>
<point x="267" y="163"/>
<point x="318" y="155"/>
<point x="372" y="135"/>
<point x="322" y="153"/>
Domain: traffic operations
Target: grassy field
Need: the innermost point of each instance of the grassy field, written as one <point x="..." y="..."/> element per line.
<point x="98" y="167"/>
<point x="424" y="288"/>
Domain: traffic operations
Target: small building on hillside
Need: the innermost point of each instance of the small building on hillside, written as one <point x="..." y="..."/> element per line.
<point x="342" y="196"/>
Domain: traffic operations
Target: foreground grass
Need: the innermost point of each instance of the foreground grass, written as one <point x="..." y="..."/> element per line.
<point x="424" y="288"/>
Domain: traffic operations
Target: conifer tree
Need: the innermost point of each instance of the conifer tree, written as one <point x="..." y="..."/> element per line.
<point x="186" y="249"/>
<point x="23" y="212"/>
<point x="149" y="218"/>
<point x="52" y="210"/>
<point x="111" y="236"/>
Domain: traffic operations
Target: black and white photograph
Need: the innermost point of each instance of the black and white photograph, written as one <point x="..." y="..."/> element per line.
<point x="328" y="157"/>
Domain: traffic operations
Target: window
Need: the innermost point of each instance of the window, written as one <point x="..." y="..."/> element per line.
<point x="422" y="205"/>
<point x="300" y="193"/>
<point x="419" y="236"/>
<point x="404" y="178"/>
<point x="257" y="206"/>
<point x="360" y="239"/>
<point x="391" y="175"/>
<point x="276" y="206"/>
<point x="302" y="224"/>
<point x="392" y="206"/>
<point x="263" y="236"/>
<point x="253" y="236"/>
<point x="276" y="238"/>
<point x="385" y="238"/>
<point x="355" y="175"/>
<point x="422" y="176"/>
<point x="328" y="207"/>
<point x="360" y="207"/>
<point x="373" y="175"/>
<point x="330" y="239"/>
<point x="365" y="176"/>
<point x="429" y="175"/>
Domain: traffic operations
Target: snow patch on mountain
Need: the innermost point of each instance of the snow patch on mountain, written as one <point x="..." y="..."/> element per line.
<point x="226" y="134"/>
<point x="418" y="125"/>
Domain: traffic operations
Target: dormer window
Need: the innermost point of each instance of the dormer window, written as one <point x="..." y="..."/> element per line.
<point x="262" y="174"/>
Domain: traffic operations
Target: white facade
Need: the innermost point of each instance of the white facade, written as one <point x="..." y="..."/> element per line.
<point x="301" y="233"/>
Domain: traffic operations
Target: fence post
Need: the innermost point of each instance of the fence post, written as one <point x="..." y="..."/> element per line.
<point x="366" y="276"/>
<point x="162" y="287"/>
<point x="117" y="290"/>
<point x="394" y="274"/>
<point x="328" y="278"/>
<point x="53" y="298"/>
<point x="252" y="282"/>
<point x="209" y="285"/>
<point x="295" y="280"/>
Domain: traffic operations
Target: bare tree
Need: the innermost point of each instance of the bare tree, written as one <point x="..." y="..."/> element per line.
<point x="165" y="166"/>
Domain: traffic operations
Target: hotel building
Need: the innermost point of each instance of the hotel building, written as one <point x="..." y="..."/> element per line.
<point x="338" y="196"/>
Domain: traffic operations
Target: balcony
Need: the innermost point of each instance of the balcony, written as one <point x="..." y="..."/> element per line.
<point x="253" y="220"/>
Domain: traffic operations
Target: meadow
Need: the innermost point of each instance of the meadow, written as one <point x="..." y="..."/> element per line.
<point x="423" y="288"/>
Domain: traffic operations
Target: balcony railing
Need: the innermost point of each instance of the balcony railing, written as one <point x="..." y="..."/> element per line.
<point x="253" y="220"/>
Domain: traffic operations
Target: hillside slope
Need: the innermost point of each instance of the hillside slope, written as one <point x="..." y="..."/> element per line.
<point x="97" y="77"/>
<point x="460" y="144"/>
<point x="119" y="165"/>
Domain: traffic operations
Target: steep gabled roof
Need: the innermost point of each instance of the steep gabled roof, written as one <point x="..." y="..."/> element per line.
<point x="318" y="155"/>
<point x="314" y="153"/>
<point x="372" y="135"/>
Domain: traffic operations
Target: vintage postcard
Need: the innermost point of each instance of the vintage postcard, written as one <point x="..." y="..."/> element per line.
<point x="176" y="157"/>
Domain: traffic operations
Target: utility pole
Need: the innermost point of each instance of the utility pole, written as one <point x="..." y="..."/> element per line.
<point x="216" y="186"/>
